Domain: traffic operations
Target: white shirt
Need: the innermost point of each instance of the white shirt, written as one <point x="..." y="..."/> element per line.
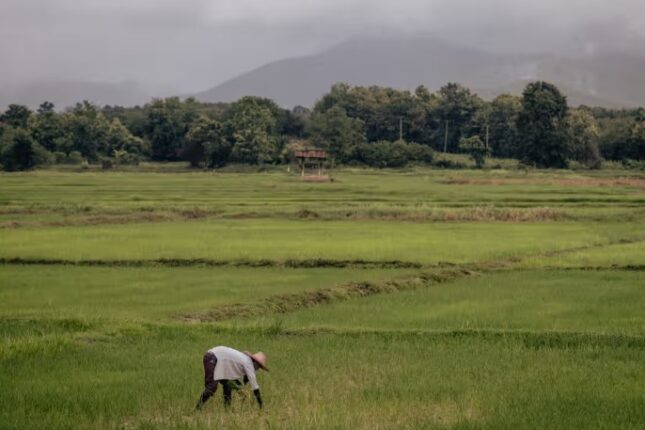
<point x="233" y="364"/>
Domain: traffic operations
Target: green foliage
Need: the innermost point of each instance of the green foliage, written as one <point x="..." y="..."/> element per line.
<point x="293" y="123"/>
<point x="125" y="158"/>
<point x="388" y="114"/>
<point x="167" y="122"/>
<point x="583" y="138"/>
<point x="88" y="131"/>
<point x="621" y="138"/>
<point x="48" y="128"/>
<point x="614" y="135"/>
<point x="637" y="138"/>
<point x="119" y="139"/>
<point x="457" y="106"/>
<point x="206" y="144"/>
<point x="542" y="126"/>
<point x="392" y="154"/>
<point x="477" y="149"/>
<point x="418" y="153"/>
<point x="422" y="123"/>
<point x="385" y="112"/>
<point x="502" y="122"/>
<point x="73" y="158"/>
<point x="22" y="152"/>
<point x="134" y="118"/>
<point x="339" y="134"/>
<point x="252" y="126"/>
<point x="16" y="116"/>
<point x="256" y="130"/>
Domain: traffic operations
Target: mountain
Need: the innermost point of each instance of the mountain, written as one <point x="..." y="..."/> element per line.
<point x="611" y="79"/>
<point x="66" y="93"/>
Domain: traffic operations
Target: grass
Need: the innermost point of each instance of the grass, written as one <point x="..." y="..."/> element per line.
<point x="530" y="301"/>
<point x="52" y="194"/>
<point x="154" y="293"/>
<point x="150" y="377"/>
<point x="102" y="334"/>
<point x="624" y="254"/>
<point x="281" y="240"/>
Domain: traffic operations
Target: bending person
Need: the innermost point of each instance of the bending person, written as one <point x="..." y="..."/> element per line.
<point x="231" y="368"/>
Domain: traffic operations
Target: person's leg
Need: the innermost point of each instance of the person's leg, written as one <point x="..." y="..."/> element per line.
<point x="227" y="389"/>
<point x="210" y="384"/>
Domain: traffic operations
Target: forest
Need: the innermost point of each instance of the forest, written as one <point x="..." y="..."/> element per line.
<point x="370" y="126"/>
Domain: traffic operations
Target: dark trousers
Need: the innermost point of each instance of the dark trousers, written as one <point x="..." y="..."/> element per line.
<point x="210" y="384"/>
<point x="210" y="361"/>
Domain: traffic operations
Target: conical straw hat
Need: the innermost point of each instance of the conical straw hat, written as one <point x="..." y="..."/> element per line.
<point x="260" y="358"/>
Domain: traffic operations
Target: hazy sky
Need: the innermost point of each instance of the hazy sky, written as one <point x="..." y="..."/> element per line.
<point x="190" y="45"/>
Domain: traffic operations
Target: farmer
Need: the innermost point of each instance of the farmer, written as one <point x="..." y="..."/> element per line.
<point x="232" y="369"/>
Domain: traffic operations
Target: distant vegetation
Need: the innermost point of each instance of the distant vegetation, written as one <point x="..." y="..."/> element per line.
<point x="372" y="126"/>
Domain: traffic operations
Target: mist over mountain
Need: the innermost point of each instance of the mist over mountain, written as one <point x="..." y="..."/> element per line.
<point x="609" y="75"/>
<point x="604" y="77"/>
<point x="70" y="50"/>
<point x="67" y="93"/>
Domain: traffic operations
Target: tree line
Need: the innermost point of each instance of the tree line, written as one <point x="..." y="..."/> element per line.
<point x="373" y="126"/>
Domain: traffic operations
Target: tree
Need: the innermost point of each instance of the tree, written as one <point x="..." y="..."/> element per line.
<point x="167" y="122"/>
<point x="133" y="118"/>
<point x="475" y="148"/>
<point x="502" y="122"/>
<point x="390" y="113"/>
<point x="293" y="123"/>
<point x="542" y="126"/>
<point x="622" y="133"/>
<point x="22" y="153"/>
<point x="636" y="148"/>
<point x="382" y="110"/>
<point x="457" y="107"/>
<point x="16" y="116"/>
<point x="120" y="139"/>
<point x="47" y="127"/>
<point x="615" y="137"/>
<point x="252" y="127"/>
<point x="392" y="154"/>
<point x="88" y="131"/>
<point x="46" y="107"/>
<point x="424" y="124"/>
<point x="338" y="95"/>
<point x="337" y="133"/>
<point x="206" y="143"/>
<point x="583" y="138"/>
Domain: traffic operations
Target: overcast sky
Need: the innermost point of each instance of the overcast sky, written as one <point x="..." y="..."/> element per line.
<point x="190" y="45"/>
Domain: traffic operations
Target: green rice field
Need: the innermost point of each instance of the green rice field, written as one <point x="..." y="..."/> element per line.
<point x="413" y="299"/>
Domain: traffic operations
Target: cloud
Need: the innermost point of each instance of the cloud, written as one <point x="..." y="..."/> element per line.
<point x="555" y="13"/>
<point x="196" y="43"/>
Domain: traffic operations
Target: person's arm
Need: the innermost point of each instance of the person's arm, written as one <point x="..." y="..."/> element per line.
<point x="250" y="374"/>
<point x="258" y="397"/>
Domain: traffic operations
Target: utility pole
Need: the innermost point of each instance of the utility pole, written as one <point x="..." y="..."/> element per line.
<point x="445" y="139"/>
<point x="401" y="128"/>
<point x="487" y="133"/>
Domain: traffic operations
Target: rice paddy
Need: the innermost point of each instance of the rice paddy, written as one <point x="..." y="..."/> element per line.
<point x="385" y="299"/>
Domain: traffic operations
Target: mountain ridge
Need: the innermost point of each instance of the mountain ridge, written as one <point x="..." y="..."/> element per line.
<point x="610" y="79"/>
